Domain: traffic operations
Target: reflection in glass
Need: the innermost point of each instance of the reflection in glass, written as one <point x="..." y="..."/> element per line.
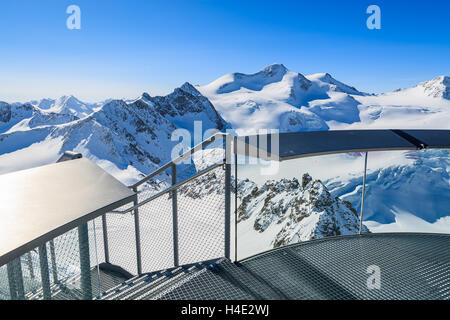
<point x="406" y="191"/>
<point x="318" y="197"/>
<point x="296" y="203"/>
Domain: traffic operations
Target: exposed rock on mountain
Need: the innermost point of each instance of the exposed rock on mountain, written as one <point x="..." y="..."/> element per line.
<point x="295" y="211"/>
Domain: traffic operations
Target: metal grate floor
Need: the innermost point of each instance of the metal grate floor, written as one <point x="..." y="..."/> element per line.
<point x="412" y="266"/>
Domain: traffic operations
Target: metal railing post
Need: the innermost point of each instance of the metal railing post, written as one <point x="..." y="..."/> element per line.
<point x="137" y="231"/>
<point x="19" y="279"/>
<point x="15" y="280"/>
<point x="105" y="238"/>
<point x="11" y="281"/>
<point x="176" y="261"/>
<point x="363" y="193"/>
<point x="235" y="200"/>
<point x="53" y="258"/>
<point x="30" y="265"/>
<point x="227" y="161"/>
<point x="85" y="263"/>
<point x="45" y="276"/>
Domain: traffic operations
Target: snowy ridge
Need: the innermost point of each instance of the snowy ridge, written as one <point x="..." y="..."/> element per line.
<point x="281" y="99"/>
<point x="128" y="139"/>
<point x="65" y="105"/>
<point x="439" y="87"/>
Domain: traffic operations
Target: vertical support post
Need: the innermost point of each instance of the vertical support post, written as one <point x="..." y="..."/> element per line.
<point x="235" y="200"/>
<point x="137" y="231"/>
<point x="45" y="276"/>
<point x="15" y="280"/>
<point x="30" y="265"/>
<point x="53" y="258"/>
<point x="85" y="263"/>
<point x="176" y="261"/>
<point x="11" y="280"/>
<point x="227" y="163"/>
<point x="19" y="279"/>
<point x="99" y="280"/>
<point x="363" y="193"/>
<point x="105" y="238"/>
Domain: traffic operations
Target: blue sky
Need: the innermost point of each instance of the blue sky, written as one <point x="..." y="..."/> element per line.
<point x="127" y="47"/>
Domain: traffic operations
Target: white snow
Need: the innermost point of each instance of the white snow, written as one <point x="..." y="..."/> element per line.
<point x="407" y="222"/>
<point x="278" y="98"/>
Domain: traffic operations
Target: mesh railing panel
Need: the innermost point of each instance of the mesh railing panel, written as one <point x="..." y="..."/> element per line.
<point x="122" y="241"/>
<point x="67" y="253"/>
<point x="156" y="226"/>
<point x="4" y="286"/>
<point x="96" y="244"/>
<point x="201" y="236"/>
<point x="201" y="218"/>
<point x="64" y="271"/>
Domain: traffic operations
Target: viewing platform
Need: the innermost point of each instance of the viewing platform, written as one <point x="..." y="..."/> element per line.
<point x="72" y="231"/>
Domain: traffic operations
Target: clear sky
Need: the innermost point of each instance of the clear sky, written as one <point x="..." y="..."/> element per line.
<point x="126" y="47"/>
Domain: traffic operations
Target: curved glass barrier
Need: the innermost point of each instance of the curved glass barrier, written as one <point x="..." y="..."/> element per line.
<point x="406" y="191"/>
<point x="317" y="197"/>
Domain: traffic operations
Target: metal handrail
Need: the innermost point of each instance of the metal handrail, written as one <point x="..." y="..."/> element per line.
<point x="184" y="156"/>
<point x="170" y="189"/>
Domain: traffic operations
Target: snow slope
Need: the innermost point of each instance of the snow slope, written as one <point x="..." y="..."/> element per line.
<point x="278" y="98"/>
<point x="271" y="98"/>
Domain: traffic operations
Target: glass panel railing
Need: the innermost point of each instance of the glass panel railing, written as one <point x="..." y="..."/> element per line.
<point x="293" y="201"/>
<point x="311" y="198"/>
<point x="406" y="191"/>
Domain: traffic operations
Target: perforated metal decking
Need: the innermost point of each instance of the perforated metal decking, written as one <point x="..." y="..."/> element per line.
<point x="413" y="266"/>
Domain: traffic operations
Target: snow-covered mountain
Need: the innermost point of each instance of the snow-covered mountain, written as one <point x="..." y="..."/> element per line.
<point x="276" y="98"/>
<point x="439" y="87"/>
<point x="66" y="105"/>
<point x="17" y="117"/>
<point x="128" y="139"/>
<point x="268" y="99"/>
<point x="286" y="211"/>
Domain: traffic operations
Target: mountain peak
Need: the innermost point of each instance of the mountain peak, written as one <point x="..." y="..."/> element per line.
<point x="336" y="85"/>
<point x="45" y="103"/>
<point x="146" y="96"/>
<point x="189" y="88"/>
<point x="438" y="87"/>
<point x="274" y="69"/>
<point x="68" y="98"/>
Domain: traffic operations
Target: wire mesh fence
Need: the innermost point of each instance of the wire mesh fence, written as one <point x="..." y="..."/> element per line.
<point x="122" y="241"/>
<point x="4" y="285"/>
<point x="201" y="217"/>
<point x="53" y="270"/>
<point x="180" y="225"/>
<point x="156" y="222"/>
<point x="170" y="231"/>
